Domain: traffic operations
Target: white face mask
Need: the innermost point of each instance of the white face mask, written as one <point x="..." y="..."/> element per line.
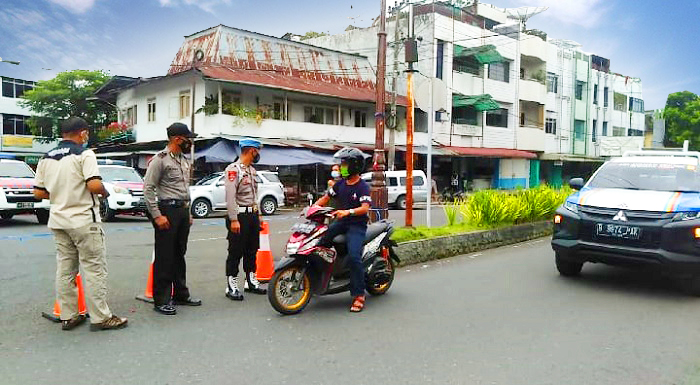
<point x="335" y="174"/>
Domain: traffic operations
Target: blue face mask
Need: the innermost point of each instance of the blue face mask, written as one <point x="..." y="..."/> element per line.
<point x="335" y="174"/>
<point x="85" y="143"/>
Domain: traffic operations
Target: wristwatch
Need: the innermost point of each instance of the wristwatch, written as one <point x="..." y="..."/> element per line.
<point x="352" y="211"/>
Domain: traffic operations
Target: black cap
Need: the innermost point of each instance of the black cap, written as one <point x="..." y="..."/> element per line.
<point x="180" y="129"/>
<point x="74" y="124"/>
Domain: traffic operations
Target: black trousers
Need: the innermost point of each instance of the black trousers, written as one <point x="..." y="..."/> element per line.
<point x="244" y="244"/>
<point x="169" y="267"/>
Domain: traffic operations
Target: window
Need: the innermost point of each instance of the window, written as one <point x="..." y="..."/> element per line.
<point x="277" y="111"/>
<point x="417" y="181"/>
<point x="620" y="101"/>
<point x="579" y="90"/>
<point x="468" y="65"/>
<point x="392" y="181"/>
<point x="440" y="58"/>
<point x="497" y="118"/>
<point x="130" y="116"/>
<point x="152" y="110"/>
<point x="595" y="94"/>
<point x="500" y="71"/>
<point x="605" y="97"/>
<point x="464" y="115"/>
<point x="633" y="132"/>
<point x="15" y="125"/>
<point x="15" y="88"/>
<point x="605" y="129"/>
<point x="636" y="105"/>
<point x="657" y="176"/>
<point x="331" y="115"/>
<point x="618" y="131"/>
<point x="594" y="130"/>
<point x="550" y="126"/>
<point x="184" y="104"/>
<point x="579" y="130"/>
<point x="552" y="83"/>
<point x="360" y="119"/>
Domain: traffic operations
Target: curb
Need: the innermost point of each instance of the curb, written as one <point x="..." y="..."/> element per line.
<point x="424" y="250"/>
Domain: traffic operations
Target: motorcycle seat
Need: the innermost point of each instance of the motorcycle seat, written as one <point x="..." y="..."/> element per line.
<point x="373" y="230"/>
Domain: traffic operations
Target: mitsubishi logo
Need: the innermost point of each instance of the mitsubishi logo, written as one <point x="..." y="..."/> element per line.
<point x="620" y="216"/>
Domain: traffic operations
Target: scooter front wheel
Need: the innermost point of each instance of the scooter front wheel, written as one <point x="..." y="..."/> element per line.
<point x="289" y="290"/>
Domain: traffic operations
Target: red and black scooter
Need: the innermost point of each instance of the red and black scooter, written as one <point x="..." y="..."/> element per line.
<point x="310" y="269"/>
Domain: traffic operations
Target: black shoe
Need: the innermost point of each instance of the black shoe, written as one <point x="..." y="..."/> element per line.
<point x="235" y="295"/>
<point x="73" y="322"/>
<point x="165" y="309"/>
<point x="188" y="302"/>
<point x="255" y="290"/>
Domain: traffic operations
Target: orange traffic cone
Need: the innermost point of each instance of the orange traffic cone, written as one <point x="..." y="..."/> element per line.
<point x="82" y="309"/>
<point x="148" y="293"/>
<point x="264" y="262"/>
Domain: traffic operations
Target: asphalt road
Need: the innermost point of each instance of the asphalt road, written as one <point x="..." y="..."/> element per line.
<point x="503" y="316"/>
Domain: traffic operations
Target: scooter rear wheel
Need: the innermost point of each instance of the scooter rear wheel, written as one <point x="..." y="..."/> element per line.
<point x="381" y="289"/>
<point x="285" y="293"/>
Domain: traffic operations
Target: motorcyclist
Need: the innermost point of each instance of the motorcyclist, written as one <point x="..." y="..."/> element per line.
<point x="352" y="195"/>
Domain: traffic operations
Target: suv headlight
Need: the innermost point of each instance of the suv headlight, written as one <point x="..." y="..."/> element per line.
<point x="571" y="206"/>
<point x="120" y="190"/>
<point x="687" y="216"/>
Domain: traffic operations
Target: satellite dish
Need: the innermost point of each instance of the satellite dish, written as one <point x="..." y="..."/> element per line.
<point x="198" y="55"/>
<point x="524" y="13"/>
<point x="439" y="94"/>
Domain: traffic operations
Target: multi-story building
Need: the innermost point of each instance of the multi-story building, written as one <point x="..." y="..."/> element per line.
<point x="16" y="137"/>
<point x="521" y="108"/>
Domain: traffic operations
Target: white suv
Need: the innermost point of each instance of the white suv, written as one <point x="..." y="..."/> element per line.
<point x="17" y="192"/>
<point x="396" y="187"/>
<point x="209" y="194"/>
<point x="125" y="187"/>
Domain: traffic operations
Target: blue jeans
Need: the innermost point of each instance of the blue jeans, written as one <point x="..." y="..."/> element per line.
<point x="355" y="234"/>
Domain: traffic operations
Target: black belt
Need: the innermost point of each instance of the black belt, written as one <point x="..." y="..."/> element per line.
<point x="176" y="203"/>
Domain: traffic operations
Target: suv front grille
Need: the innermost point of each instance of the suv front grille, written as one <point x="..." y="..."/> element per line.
<point x="601" y="213"/>
<point x="20" y="195"/>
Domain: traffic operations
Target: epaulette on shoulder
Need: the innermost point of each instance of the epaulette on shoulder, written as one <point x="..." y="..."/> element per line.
<point x="162" y="154"/>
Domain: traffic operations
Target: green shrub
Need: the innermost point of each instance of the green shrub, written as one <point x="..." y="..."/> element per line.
<point x="451" y="211"/>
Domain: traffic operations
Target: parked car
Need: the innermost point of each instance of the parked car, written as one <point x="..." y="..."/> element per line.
<point x="209" y="194"/>
<point x="396" y="187"/>
<point x="125" y="187"/>
<point x="17" y="192"/>
<point x="640" y="210"/>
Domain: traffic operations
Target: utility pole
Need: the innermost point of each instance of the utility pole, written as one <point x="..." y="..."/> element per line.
<point x="411" y="57"/>
<point x="379" y="193"/>
<point x="198" y="56"/>
<point x="394" y="87"/>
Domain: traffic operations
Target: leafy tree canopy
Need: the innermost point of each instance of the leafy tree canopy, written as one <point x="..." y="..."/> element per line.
<point x="312" y="34"/>
<point x="682" y="114"/>
<point x="66" y="95"/>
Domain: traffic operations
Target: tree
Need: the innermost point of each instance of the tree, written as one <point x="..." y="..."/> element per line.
<point x="312" y="34"/>
<point x="66" y="95"/>
<point x="682" y="115"/>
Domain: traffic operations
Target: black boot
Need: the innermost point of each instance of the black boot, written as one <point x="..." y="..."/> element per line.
<point x="252" y="285"/>
<point x="232" y="291"/>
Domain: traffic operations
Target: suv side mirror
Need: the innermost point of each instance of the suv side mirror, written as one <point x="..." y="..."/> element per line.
<point x="576" y="183"/>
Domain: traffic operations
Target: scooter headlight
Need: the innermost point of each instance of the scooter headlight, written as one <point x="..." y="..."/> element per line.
<point x="293" y="248"/>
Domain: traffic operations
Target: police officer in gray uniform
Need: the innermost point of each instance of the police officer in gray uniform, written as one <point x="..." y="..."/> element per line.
<point x="243" y="220"/>
<point x="166" y="189"/>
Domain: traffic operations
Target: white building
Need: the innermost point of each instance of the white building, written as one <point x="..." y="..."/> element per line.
<point x="284" y="92"/>
<point x="583" y="113"/>
<point x="16" y="137"/>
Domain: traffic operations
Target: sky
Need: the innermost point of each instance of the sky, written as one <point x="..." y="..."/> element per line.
<point x="656" y="41"/>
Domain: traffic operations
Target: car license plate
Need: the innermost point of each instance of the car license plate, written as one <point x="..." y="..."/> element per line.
<point x="25" y="205"/>
<point x="618" y="231"/>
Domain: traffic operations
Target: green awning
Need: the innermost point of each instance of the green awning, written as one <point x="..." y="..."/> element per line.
<point x="480" y="102"/>
<point x="486" y="54"/>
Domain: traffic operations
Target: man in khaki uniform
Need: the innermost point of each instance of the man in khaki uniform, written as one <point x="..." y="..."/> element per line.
<point x="69" y="178"/>
<point x="243" y="220"/>
<point x="167" y="194"/>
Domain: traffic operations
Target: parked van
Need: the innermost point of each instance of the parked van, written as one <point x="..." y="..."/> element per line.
<point x="396" y="187"/>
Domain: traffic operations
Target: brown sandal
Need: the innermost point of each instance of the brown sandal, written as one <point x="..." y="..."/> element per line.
<point x="358" y="303"/>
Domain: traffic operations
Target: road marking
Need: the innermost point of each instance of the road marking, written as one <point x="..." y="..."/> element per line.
<point x="207" y="239"/>
<point x="475" y="255"/>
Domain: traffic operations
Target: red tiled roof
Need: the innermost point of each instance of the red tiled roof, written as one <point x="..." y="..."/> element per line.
<point x="492" y="152"/>
<point x="298" y="81"/>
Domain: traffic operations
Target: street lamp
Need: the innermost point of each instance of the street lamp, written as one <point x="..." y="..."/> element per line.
<point x="9" y="61"/>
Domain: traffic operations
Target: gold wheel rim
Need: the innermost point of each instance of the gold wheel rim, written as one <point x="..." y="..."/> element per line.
<point x="306" y="292"/>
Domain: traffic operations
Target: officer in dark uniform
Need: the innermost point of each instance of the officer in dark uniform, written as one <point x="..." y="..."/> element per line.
<point x="243" y="220"/>
<point x="166" y="190"/>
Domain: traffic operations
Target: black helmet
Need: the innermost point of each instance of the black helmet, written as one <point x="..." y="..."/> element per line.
<point x="353" y="157"/>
